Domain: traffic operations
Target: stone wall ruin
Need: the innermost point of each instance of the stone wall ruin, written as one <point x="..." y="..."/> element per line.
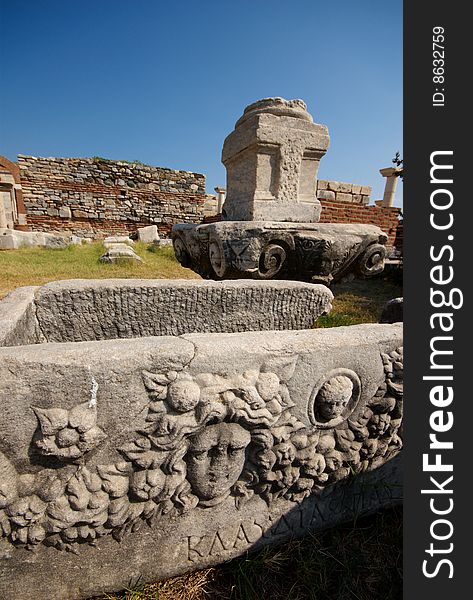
<point x="96" y="197"/>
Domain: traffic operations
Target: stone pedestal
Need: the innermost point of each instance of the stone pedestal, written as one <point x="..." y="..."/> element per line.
<point x="270" y="217"/>
<point x="272" y="159"/>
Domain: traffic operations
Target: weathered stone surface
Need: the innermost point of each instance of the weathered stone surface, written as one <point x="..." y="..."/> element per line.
<point x="272" y="159"/>
<point x="18" y="323"/>
<point x="334" y="186"/>
<point x="266" y="250"/>
<point x="393" y="311"/>
<point x="342" y="197"/>
<point x="148" y="234"/>
<point x="118" y="253"/>
<point x="346" y="188"/>
<point x="11" y="239"/>
<point x="326" y="195"/>
<point x="111" y="196"/>
<point x="65" y="212"/>
<point x="127" y="460"/>
<point x="112" y="240"/>
<point x="77" y="310"/>
<point x="163" y="243"/>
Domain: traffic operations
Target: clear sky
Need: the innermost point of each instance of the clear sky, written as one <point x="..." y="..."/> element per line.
<point x="164" y="82"/>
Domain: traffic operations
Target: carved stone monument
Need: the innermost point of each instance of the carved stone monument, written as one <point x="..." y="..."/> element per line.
<point x="129" y="460"/>
<point x="272" y="159"/>
<point x="270" y="223"/>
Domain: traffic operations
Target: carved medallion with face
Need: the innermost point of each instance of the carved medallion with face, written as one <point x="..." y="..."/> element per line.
<point x="333" y="397"/>
<point x="215" y="460"/>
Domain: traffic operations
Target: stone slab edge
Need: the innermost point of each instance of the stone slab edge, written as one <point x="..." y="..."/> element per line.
<point x="18" y="322"/>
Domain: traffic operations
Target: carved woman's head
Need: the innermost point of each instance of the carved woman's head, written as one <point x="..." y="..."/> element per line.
<point x="215" y="460"/>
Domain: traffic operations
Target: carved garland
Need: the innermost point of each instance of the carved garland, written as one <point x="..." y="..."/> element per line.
<point x="206" y="438"/>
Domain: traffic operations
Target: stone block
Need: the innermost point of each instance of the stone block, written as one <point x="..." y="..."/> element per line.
<point x="325" y="195"/>
<point x="65" y="212"/>
<point x="117" y="239"/>
<point x="148" y="234"/>
<point x="272" y="159"/>
<point x="11" y="239"/>
<point x="8" y="239"/>
<point x="80" y="214"/>
<point x="108" y="446"/>
<point x="393" y="311"/>
<point x="366" y="190"/>
<point x="334" y="186"/>
<point x="266" y="250"/>
<point x="322" y="184"/>
<point x="342" y="197"/>
<point x="345" y="187"/>
<point x="117" y="253"/>
<point x="356" y="189"/>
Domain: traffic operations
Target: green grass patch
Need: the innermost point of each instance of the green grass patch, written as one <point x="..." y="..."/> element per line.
<point x="360" y="301"/>
<point x="36" y="266"/>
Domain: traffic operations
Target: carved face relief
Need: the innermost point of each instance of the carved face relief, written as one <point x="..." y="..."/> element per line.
<point x="215" y="460"/>
<point x="193" y="450"/>
<point x="334" y="398"/>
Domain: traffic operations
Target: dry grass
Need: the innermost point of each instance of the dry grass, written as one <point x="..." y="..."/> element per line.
<point x="35" y="266"/>
<point x="361" y="561"/>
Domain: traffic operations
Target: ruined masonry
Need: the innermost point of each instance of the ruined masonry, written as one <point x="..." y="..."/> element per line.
<point x="155" y="427"/>
<point x="270" y="227"/>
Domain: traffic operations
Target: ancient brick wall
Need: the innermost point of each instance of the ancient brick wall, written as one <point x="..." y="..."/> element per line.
<point x="341" y="212"/>
<point x="348" y="203"/>
<point x="99" y="197"/>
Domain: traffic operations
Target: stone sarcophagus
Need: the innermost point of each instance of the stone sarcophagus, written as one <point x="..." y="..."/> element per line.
<point x="269" y="226"/>
<point x="135" y="447"/>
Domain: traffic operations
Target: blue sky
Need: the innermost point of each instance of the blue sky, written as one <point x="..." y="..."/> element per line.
<point x="164" y="83"/>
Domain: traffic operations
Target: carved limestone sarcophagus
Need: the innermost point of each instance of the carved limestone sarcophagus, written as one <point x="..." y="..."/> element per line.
<point x="149" y="428"/>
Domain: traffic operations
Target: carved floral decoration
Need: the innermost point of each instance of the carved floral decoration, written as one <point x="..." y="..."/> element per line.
<point x="208" y="438"/>
<point x="68" y="434"/>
